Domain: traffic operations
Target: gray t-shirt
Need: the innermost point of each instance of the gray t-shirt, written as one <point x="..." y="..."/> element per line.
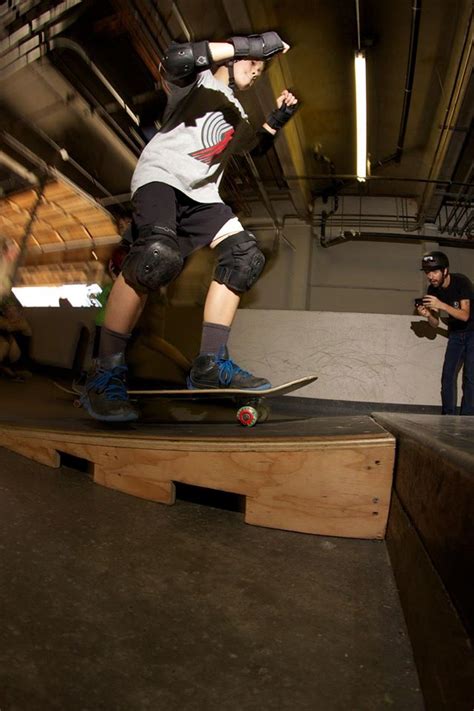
<point x="203" y="126"/>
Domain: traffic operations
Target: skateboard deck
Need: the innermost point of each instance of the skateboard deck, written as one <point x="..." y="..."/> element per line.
<point x="251" y="406"/>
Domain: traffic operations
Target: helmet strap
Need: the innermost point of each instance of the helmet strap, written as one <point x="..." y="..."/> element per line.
<point x="230" y="67"/>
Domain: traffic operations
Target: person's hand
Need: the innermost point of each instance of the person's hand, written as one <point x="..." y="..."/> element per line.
<point x="432" y="302"/>
<point x="423" y="311"/>
<point x="287" y="98"/>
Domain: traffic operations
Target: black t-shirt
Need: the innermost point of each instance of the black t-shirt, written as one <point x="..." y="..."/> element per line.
<point x="460" y="287"/>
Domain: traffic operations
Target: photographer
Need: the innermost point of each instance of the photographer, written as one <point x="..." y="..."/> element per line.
<point x="453" y="294"/>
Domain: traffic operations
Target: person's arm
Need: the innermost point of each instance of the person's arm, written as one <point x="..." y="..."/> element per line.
<point x="4" y="324"/>
<point x="432" y="316"/>
<point x="287" y="104"/>
<point x="432" y="302"/>
<point x="184" y="61"/>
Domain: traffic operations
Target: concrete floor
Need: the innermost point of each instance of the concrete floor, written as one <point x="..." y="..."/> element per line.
<point x="113" y="603"/>
<point x="109" y="602"/>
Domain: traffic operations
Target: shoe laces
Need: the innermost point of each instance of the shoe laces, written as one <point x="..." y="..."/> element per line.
<point x="111" y="381"/>
<point x="227" y="370"/>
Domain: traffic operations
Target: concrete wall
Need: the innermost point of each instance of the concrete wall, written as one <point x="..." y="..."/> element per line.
<point x="344" y="312"/>
<point x="375" y="277"/>
<point x="355" y="276"/>
<point x="56" y="333"/>
<point x="357" y="357"/>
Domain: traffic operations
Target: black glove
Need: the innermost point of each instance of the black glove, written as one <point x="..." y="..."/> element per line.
<point x="259" y="47"/>
<point x="279" y="117"/>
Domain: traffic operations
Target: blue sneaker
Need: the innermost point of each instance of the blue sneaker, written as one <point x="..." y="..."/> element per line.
<point x="218" y="371"/>
<point x="105" y="394"/>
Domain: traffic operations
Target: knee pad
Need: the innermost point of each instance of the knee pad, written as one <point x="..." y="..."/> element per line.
<point x="240" y="262"/>
<point x="154" y="260"/>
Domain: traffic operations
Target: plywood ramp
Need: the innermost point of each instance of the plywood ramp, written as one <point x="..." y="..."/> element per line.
<point x="328" y="476"/>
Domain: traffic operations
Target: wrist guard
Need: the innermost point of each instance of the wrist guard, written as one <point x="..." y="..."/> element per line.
<point x="181" y="60"/>
<point x="259" y="47"/>
<point x="279" y="117"/>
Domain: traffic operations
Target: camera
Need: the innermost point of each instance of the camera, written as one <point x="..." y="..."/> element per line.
<point x="419" y="302"/>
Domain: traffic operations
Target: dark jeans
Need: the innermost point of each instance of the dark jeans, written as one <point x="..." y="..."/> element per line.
<point x="460" y="351"/>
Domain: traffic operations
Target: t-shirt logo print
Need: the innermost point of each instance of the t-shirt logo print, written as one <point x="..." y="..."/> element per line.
<point x="215" y="136"/>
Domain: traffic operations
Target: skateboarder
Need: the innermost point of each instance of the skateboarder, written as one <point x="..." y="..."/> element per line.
<point x="452" y="293"/>
<point x="177" y="209"/>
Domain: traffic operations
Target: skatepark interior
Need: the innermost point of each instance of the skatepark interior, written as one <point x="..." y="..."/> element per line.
<point x="323" y="559"/>
<point x="116" y="602"/>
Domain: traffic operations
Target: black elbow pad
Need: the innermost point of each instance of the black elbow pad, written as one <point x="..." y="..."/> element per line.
<point x="182" y="60"/>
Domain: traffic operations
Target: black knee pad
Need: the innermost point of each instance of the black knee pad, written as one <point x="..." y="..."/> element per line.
<point x="240" y="262"/>
<point x="154" y="260"/>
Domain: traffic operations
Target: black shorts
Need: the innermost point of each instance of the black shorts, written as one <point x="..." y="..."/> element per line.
<point x="195" y="223"/>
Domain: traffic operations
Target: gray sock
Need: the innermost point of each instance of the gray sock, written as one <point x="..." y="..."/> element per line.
<point x="214" y="338"/>
<point x="112" y="342"/>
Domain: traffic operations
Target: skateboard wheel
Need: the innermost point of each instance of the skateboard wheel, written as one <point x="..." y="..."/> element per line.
<point x="263" y="412"/>
<point x="247" y="416"/>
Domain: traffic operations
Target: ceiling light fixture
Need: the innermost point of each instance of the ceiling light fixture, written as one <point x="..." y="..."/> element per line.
<point x="361" y="115"/>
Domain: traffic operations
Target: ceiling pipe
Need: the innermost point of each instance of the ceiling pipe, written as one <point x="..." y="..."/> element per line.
<point x="377" y="178"/>
<point x="17" y="168"/>
<point x="97" y="108"/>
<point x="461" y="80"/>
<point x="410" y="73"/>
<point x="353" y="235"/>
<point x="60" y="152"/>
<point x="27" y="44"/>
<point x="63" y="43"/>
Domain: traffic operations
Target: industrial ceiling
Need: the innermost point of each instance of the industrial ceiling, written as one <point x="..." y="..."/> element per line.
<point x="80" y="84"/>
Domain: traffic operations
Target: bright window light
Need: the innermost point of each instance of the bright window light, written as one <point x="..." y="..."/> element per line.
<point x="71" y="294"/>
<point x="361" y="115"/>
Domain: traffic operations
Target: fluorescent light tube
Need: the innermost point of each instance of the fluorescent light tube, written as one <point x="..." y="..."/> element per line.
<point x="361" y="115"/>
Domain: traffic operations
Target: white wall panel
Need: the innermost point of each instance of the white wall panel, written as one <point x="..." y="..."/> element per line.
<point x="358" y="357"/>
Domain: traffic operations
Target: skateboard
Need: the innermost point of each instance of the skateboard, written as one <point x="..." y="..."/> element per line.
<point x="251" y="406"/>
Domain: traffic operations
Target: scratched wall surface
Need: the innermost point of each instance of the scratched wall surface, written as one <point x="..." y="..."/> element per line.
<point x="358" y="357"/>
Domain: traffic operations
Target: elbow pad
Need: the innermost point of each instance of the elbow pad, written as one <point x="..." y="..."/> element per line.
<point x="182" y="60"/>
<point x="260" y="47"/>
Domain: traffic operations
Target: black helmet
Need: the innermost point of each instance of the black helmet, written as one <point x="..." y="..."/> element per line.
<point x="432" y="261"/>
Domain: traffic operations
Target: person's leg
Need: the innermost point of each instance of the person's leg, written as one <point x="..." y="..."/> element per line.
<point x="4" y="348"/>
<point x="14" y="352"/>
<point x="24" y="344"/>
<point x="124" y="308"/>
<point x="4" y="360"/>
<point x="219" y="311"/>
<point x="452" y="362"/>
<point x="9" y="354"/>
<point x="467" y="404"/>
<point x="154" y="260"/>
<point x="221" y="304"/>
<point x="239" y="264"/>
<point x="96" y="341"/>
